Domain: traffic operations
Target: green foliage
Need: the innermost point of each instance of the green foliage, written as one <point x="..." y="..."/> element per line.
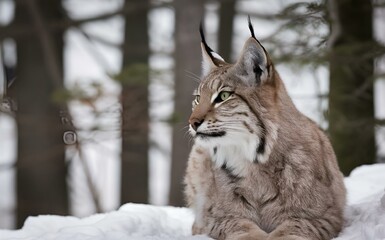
<point x="134" y="74"/>
<point x="62" y="96"/>
<point x="173" y="119"/>
<point x="88" y="93"/>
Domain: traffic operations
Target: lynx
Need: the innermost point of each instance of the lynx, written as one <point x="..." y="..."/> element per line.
<point x="258" y="169"/>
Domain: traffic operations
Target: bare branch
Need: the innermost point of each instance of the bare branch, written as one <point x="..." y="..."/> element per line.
<point x="91" y="185"/>
<point x="7" y="166"/>
<point x="266" y="16"/>
<point x="97" y="55"/>
<point x="98" y="39"/>
<point x="380" y="122"/>
<point x="14" y="30"/>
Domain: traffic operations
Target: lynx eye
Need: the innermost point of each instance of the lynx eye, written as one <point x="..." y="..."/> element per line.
<point x="223" y="96"/>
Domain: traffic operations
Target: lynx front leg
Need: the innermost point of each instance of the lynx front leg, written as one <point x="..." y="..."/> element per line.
<point x="236" y="229"/>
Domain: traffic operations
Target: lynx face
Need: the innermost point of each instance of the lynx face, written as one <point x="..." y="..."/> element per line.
<point x="228" y="129"/>
<point x="226" y="117"/>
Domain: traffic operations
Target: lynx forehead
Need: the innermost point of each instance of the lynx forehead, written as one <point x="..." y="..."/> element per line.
<point x="258" y="169"/>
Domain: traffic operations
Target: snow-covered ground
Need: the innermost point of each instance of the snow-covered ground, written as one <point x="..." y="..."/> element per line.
<point x="365" y="217"/>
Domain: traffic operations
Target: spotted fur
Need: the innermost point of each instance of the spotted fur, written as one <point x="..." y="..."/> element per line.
<point x="258" y="169"/>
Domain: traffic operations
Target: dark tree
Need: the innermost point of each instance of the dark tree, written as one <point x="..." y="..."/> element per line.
<point x="187" y="62"/>
<point x="351" y="107"/>
<point x="135" y="119"/>
<point x="41" y="168"/>
<point x="226" y="23"/>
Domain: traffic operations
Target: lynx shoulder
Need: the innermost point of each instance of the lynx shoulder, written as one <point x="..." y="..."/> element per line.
<point x="258" y="169"/>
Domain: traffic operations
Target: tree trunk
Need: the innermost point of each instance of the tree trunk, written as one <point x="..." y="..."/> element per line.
<point x="135" y="118"/>
<point x="187" y="60"/>
<point x="351" y="107"/>
<point x="226" y="23"/>
<point x="41" y="168"/>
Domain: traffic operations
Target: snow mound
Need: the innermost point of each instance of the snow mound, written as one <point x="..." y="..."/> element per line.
<point x="131" y="221"/>
<point x="365" y="218"/>
<point x="365" y="212"/>
<point x="365" y="181"/>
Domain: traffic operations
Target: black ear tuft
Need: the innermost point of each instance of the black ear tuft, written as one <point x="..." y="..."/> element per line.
<point x="203" y="39"/>
<point x="252" y="32"/>
<point x="202" y="32"/>
<point x="215" y="58"/>
<point x="251" y="27"/>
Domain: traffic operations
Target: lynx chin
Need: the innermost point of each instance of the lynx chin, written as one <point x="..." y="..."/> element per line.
<point x="258" y="169"/>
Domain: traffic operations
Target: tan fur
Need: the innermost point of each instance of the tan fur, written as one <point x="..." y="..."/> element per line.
<point x="292" y="190"/>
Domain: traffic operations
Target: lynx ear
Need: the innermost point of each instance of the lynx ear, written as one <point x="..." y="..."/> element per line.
<point x="251" y="67"/>
<point x="210" y="59"/>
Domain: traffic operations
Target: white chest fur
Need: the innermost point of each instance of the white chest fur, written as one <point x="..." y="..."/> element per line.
<point x="235" y="151"/>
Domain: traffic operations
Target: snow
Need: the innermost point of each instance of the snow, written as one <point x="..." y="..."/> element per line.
<point x="365" y="220"/>
<point x="365" y="213"/>
<point x="131" y="221"/>
<point x="365" y="217"/>
<point x="365" y="181"/>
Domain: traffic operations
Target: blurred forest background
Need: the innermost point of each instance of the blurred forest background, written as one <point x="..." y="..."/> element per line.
<point x="95" y="94"/>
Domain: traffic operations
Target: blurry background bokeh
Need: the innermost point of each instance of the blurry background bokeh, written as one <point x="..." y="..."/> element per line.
<point x="95" y="94"/>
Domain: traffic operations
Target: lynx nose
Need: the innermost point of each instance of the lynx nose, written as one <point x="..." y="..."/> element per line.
<point x="195" y="123"/>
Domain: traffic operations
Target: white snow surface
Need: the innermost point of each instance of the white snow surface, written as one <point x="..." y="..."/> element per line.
<point x="365" y="217"/>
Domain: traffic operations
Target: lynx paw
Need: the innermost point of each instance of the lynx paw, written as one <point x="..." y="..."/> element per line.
<point x="251" y="235"/>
